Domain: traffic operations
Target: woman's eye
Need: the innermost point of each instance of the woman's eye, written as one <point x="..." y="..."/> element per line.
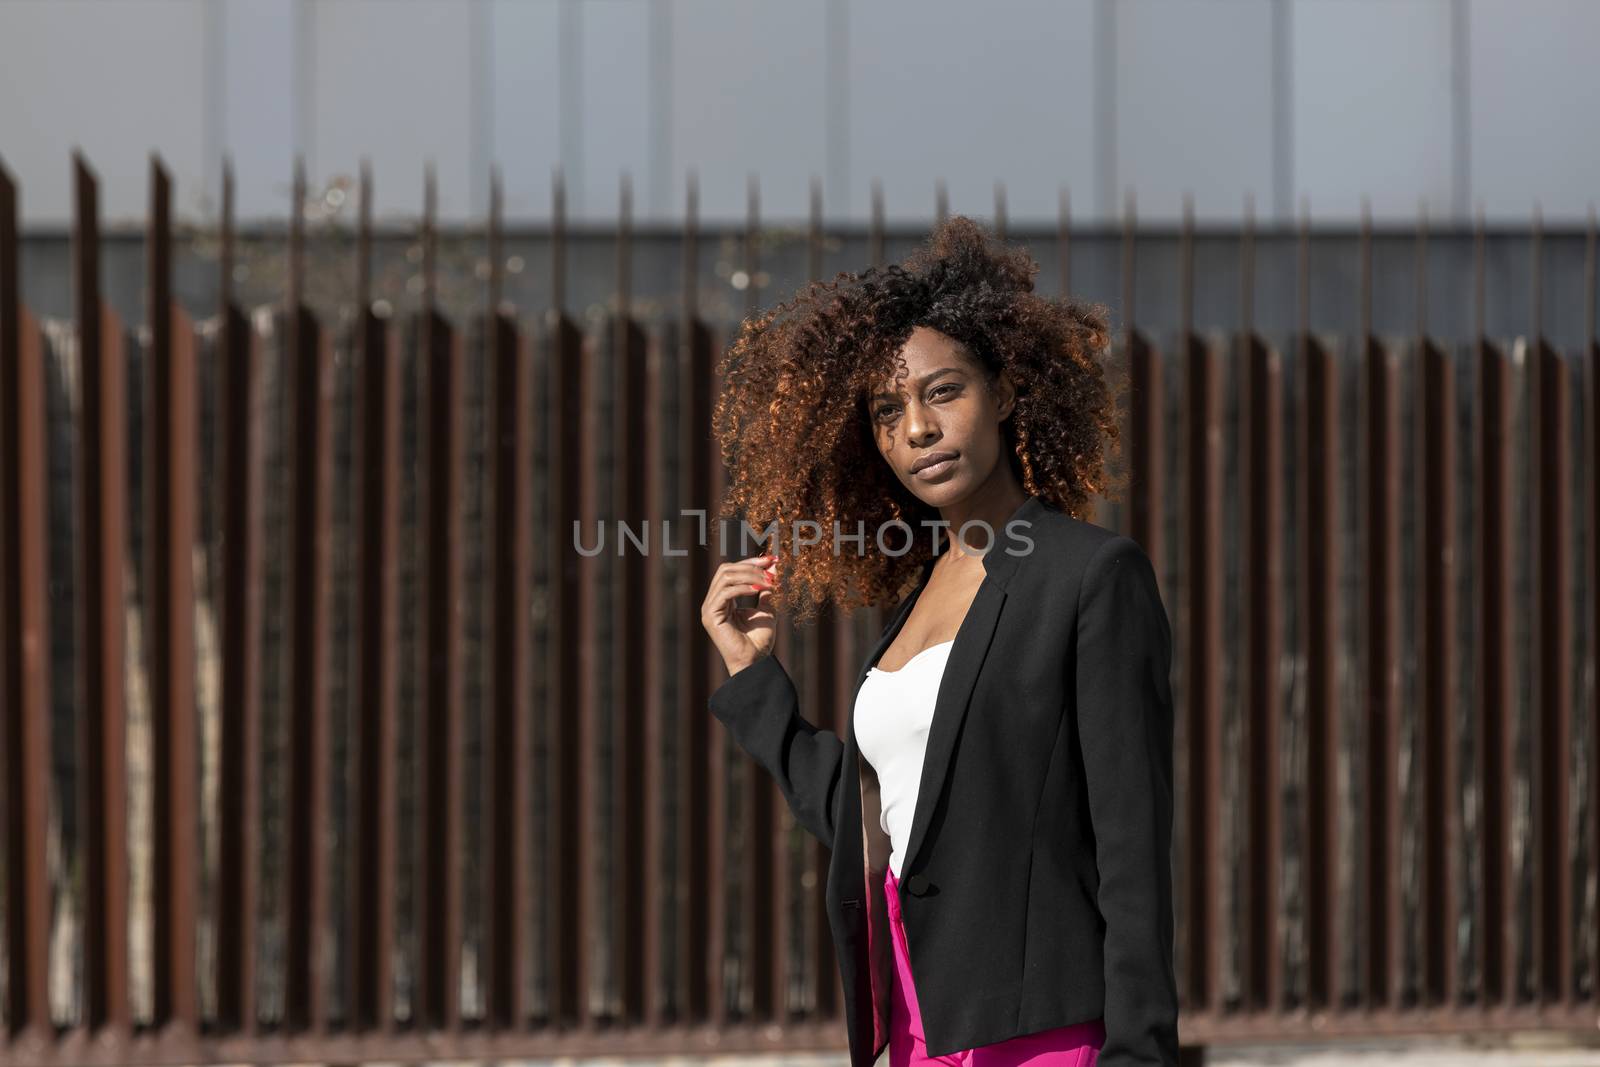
<point x="940" y="389"/>
<point x="881" y="412"/>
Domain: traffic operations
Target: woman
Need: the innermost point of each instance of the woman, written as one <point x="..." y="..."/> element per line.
<point x="1000" y="811"/>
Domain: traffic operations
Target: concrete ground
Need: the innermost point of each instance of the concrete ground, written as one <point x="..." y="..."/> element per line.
<point x="1524" y="1051"/>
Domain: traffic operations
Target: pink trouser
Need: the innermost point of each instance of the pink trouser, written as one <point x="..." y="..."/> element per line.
<point x="1077" y="1045"/>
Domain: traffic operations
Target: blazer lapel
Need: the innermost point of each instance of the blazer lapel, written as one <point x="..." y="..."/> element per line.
<point x="950" y="706"/>
<point x="893" y="629"/>
<point x="966" y="658"/>
<point x="876" y="952"/>
<point x="852" y="753"/>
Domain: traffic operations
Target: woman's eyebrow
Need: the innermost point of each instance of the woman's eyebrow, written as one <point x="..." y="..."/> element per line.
<point x="922" y="381"/>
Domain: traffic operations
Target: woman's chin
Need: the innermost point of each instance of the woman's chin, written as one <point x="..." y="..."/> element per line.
<point x="943" y="493"/>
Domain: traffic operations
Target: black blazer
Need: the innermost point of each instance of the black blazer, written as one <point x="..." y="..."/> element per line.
<point x="1036" y="886"/>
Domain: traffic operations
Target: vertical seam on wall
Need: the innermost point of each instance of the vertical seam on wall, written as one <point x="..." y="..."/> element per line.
<point x="214" y="102"/>
<point x="305" y="88"/>
<point x="1460" y="108"/>
<point x="569" y="91"/>
<point x="661" y="106"/>
<point x="1105" y="107"/>
<point x="480" y="128"/>
<point x="1282" y="109"/>
<point x="836" y="135"/>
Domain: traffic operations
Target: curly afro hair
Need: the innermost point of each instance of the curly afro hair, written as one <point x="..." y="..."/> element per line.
<point x="792" y="427"/>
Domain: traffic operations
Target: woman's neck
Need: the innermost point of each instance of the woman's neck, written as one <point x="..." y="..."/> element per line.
<point x="993" y="505"/>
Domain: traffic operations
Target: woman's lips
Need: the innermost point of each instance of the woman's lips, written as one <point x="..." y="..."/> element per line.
<point x="935" y="471"/>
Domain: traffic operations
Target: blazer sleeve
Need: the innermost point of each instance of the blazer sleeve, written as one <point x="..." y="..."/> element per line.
<point x="761" y="710"/>
<point x="1125" y="721"/>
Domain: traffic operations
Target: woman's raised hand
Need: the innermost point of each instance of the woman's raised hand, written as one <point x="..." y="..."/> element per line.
<point x="742" y="635"/>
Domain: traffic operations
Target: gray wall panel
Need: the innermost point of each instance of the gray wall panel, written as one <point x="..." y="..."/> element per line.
<point x="525" y="101"/>
<point x="1372" y="106"/>
<point x="394" y="82"/>
<point x="973" y="93"/>
<point x="615" y="87"/>
<point x="1458" y="101"/>
<point x="256" y="96"/>
<point x="748" y="94"/>
<point x="1535" y="107"/>
<point x="146" y="93"/>
<point x="1194" y="106"/>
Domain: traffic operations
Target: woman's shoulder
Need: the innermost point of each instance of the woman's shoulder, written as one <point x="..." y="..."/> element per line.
<point x="1056" y="552"/>
<point x="1059" y="538"/>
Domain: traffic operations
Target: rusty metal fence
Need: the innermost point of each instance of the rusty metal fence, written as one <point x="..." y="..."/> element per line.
<point x="320" y="742"/>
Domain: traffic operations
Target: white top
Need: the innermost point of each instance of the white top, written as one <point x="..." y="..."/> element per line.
<point x="892" y="714"/>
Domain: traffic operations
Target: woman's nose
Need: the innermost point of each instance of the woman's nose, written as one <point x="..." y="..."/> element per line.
<point x="920" y="429"/>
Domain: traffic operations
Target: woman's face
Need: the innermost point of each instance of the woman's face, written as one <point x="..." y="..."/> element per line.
<point x="938" y="427"/>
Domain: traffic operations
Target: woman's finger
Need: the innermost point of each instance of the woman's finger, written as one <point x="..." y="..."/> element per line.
<point x="728" y="585"/>
<point x="744" y="576"/>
